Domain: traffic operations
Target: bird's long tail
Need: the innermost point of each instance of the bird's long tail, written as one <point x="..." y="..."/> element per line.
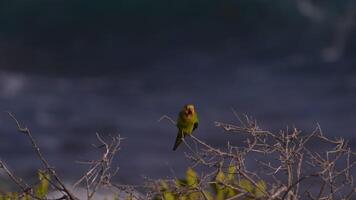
<point x="179" y="140"/>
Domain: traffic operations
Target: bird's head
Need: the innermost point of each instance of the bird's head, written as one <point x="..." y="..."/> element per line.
<point x="189" y="109"/>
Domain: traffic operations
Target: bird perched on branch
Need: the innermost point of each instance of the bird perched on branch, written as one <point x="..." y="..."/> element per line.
<point x="187" y="122"/>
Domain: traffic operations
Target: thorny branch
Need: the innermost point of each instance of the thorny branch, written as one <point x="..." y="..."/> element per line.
<point x="100" y="171"/>
<point x="284" y="160"/>
<point x="288" y="161"/>
<point x="58" y="183"/>
<point x="98" y="175"/>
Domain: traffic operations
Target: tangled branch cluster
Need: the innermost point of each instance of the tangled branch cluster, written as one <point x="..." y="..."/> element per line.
<point x="294" y="165"/>
<point x="288" y="165"/>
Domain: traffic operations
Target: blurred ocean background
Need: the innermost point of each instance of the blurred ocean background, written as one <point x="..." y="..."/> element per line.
<point x="69" y="69"/>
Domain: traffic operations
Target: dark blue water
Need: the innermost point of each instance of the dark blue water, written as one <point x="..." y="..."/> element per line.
<point x="64" y="113"/>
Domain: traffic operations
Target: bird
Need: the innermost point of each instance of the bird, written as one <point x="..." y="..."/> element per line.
<point x="187" y="122"/>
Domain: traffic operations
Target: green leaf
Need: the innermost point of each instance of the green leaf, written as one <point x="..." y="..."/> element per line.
<point x="231" y="173"/>
<point x="168" y="196"/>
<point x="246" y="185"/>
<point x="231" y="192"/>
<point x="260" y="190"/>
<point x="183" y="197"/>
<point x="15" y="195"/>
<point x="164" y="186"/>
<point x="181" y="183"/>
<point x="220" y="177"/>
<point x="26" y="197"/>
<point x="208" y="194"/>
<point x="220" y="194"/>
<point x="41" y="190"/>
<point x="129" y="197"/>
<point x="195" y="196"/>
<point x="192" y="178"/>
<point x="219" y="188"/>
<point x="8" y="196"/>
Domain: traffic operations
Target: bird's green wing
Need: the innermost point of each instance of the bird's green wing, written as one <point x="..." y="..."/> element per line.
<point x="196" y="122"/>
<point x="195" y="125"/>
<point x="181" y="125"/>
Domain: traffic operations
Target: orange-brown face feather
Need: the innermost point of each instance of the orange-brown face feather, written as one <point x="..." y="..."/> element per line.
<point x="189" y="109"/>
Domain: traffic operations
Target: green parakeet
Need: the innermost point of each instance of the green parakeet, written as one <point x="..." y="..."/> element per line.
<point x="187" y="122"/>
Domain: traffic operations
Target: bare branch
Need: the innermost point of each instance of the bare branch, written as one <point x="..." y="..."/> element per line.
<point x="58" y="182"/>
